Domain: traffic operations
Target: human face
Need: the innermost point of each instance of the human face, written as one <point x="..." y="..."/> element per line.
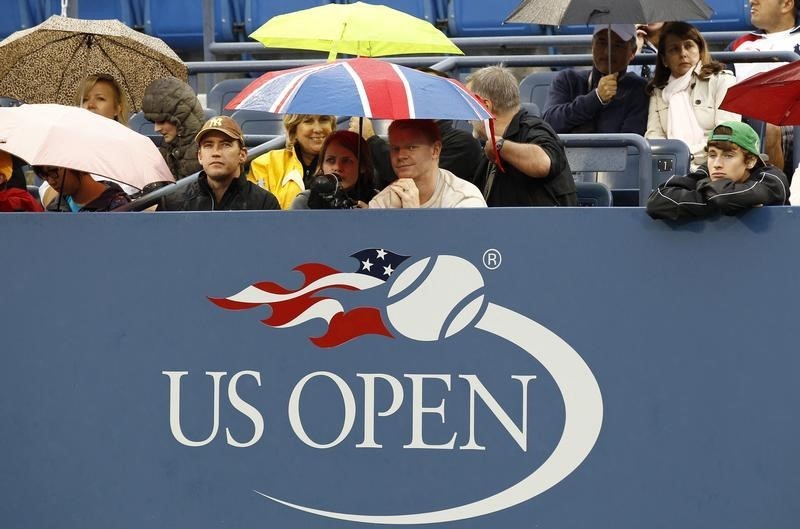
<point x="63" y="180"/>
<point x="102" y="99"/>
<point x="413" y="156"/>
<point x="311" y="133"/>
<point x="221" y="156"/>
<point x="769" y="14"/>
<point x="621" y="52"/>
<point x="166" y="129"/>
<point x="340" y="160"/>
<point x="680" y="55"/>
<point x="730" y="164"/>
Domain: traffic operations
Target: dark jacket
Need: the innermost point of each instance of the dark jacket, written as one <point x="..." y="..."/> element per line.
<point x="696" y="196"/>
<point x="112" y="198"/>
<point x="240" y="195"/>
<point x="170" y="99"/>
<point x="574" y="107"/>
<point x="461" y="154"/>
<point x="515" y="188"/>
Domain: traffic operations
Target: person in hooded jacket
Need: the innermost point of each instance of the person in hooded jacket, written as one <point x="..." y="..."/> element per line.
<point x="177" y="115"/>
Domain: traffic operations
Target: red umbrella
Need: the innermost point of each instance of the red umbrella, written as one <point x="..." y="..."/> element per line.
<point x="772" y="96"/>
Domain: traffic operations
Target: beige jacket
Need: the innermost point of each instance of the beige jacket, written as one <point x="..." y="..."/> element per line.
<point x="707" y="94"/>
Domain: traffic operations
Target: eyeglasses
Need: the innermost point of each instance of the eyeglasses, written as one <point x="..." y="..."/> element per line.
<point x="47" y="173"/>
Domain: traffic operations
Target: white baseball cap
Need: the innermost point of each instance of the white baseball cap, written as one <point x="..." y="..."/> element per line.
<point x="624" y="31"/>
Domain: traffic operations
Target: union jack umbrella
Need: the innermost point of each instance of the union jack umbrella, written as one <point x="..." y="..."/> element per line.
<point x="361" y="87"/>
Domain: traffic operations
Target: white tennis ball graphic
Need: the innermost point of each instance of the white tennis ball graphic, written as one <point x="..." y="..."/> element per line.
<point x="439" y="297"/>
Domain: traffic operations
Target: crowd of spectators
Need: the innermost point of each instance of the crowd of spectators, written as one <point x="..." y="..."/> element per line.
<point x="424" y="163"/>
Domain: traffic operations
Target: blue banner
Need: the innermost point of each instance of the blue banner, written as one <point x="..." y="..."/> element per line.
<point x="492" y="368"/>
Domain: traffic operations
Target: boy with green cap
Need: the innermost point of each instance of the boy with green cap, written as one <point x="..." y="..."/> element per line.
<point x="734" y="179"/>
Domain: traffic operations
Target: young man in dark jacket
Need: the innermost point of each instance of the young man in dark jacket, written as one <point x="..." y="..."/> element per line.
<point x="734" y="179"/>
<point x="221" y="185"/>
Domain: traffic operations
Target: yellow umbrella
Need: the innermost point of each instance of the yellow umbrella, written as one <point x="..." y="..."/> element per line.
<point x="360" y="29"/>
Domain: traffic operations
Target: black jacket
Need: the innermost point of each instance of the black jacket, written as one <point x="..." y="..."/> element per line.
<point x="696" y="196"/>
<point x="240" y="195"/>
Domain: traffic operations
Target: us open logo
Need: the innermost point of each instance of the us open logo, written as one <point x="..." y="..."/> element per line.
<point x="429" y="300"/>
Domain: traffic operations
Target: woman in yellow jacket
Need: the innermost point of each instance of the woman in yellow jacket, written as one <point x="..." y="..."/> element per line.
<point x="286" y="172"/>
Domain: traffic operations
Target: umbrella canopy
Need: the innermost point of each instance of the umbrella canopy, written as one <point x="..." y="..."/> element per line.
<point x="772" y="96"/>
<point x="361" y="87"/>
<point x="75" y="138"/>
<point x="359" y="29"/>
<point x="45" y="64"/>
<point x="558" y="12"/>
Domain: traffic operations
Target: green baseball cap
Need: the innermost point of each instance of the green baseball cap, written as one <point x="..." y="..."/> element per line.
<point x="741" y="134"/>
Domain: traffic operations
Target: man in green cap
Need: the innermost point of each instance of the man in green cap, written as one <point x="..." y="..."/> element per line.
<point x="734" y="179"/>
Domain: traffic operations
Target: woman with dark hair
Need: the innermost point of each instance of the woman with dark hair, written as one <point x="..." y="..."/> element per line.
<point x="345" y="176"/>
<point x="686" y="90"/>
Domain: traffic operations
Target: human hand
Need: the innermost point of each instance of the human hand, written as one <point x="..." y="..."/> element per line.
<point x="404" y="193"/>
<point x="607" y="87"/>
<point x="366" y="127"/>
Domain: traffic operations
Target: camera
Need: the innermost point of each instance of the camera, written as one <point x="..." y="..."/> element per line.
<point x="326" y="192"/>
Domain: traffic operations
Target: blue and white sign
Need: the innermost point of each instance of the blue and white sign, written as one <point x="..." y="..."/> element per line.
<point x="474" y="369"/>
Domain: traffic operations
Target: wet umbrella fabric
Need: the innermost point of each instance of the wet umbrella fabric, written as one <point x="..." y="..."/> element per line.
<point x="361" y="87"/>
<point x="559" y="12"/>
<point x="64" y="136"/>
<point x="45" y="64"/>
<point x="359" y="28"/>
<point x="772" y="96"/>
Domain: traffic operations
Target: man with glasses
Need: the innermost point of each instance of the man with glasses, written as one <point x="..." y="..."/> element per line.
<point x="78" y="191"/>
<point x="415" y="146"/>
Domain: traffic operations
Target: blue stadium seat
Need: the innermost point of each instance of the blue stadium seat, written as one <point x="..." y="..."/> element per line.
<point x="623" y="162"/>
<point x="180" y="24"/>
<point x="478" y="18"/>
<point x="593" y="194"/>
<point x="129" y="12"/>
<point x="424" y="9"/>
<point x="670" y="157"/>
<point x="144" y="127"/>
<point x="257" y="123"/>
<point x="222" y="92"/>
<point x="16" y="16"/>
<point x="535" y="86"/>
<point x="257" y="12"/>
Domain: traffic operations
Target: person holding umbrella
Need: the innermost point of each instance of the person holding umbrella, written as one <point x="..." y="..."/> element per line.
<point x="78" y="191"/>
<point x="286" y="172"/>
<point x="101" y="94"/>
<point x="687" y="90"/>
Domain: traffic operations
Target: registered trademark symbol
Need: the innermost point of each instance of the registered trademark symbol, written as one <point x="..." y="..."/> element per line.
<point x="492" y="259"/>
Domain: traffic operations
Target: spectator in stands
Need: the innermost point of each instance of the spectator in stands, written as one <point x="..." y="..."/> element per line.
<point x="600" y="100"/>
<point x="78" y="191"/>
<point x="647" y="37"/>
<point x="286" y="172"/>
<point x="778" y="30"/>
<point x="734" y="179"/>
<point x="221" y="185"/>
<point x="534" y="168"/>
<point x="102" y="95"/>
<point x="13" y="198"/>
<point x="687" y="89"/>
<point x="354" y="182"/>
<point x="461" y="152"/>
<point x="177" y="115"/>
<point x="415" y="146"/>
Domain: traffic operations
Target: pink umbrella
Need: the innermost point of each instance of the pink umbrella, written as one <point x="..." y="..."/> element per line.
<point x="75" y="138"/>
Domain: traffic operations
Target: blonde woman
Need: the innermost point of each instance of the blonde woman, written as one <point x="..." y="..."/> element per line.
<point x="287" y="172"/>
<point x="102" y="95"/>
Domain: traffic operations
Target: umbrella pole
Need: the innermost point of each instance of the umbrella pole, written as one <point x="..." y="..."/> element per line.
<point x="609" y="48"/>
<point x="358" y="148"/>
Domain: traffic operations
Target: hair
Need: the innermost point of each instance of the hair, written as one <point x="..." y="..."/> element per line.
<point x="365" y="185"/>
<point x="427" y="127"/>
<point x="497" y="84"/>
<point x="291" y="121"/>
<point x="88" y="83"/>
<point x="684" y="31"/>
